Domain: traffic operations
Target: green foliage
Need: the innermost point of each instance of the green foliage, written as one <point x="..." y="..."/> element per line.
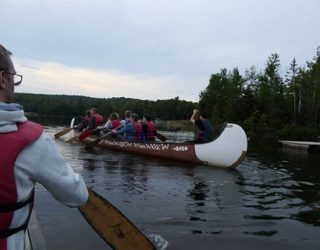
<point x="265" y="103"/>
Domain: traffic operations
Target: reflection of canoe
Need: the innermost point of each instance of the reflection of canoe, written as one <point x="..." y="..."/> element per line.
<point x="228" y="150"/>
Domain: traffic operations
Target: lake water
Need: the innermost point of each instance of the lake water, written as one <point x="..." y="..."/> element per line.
<point x="270" y="201"/>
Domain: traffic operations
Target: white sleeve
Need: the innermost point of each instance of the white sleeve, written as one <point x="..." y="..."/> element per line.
<point x="43" y="163"/>
<point x="108" y="125"/>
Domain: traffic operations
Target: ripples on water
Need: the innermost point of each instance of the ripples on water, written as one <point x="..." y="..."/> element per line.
<point x="271" y="199"/>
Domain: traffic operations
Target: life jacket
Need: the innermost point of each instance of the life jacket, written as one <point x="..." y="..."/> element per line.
<point x="150" y="131"/>
<point x="11" y="144"/>
<point x="115" y="124"/>
<point x="99" y="120"/>
<point x="137" y="131"/>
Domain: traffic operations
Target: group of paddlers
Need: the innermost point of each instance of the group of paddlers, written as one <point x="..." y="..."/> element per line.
<point x="133" y="129"/>
<point x="128" y="129"/>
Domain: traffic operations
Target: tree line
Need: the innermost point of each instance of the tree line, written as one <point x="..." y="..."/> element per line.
<point x="65" y="105"/>
<point x="265" y="102"/>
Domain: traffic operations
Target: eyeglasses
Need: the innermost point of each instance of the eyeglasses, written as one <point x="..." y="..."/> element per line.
<point x="17" y="79"/>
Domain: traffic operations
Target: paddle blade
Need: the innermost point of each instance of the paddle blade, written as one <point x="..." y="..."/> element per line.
<point x="161" y="137"/>
<point x="112" y="226"/>
<point x="85" y="134"/>
<point x="72" y="139"/>
<point x="95" y="142"/>
<point x="63" y="132"/>
<point x="89" y="148"/>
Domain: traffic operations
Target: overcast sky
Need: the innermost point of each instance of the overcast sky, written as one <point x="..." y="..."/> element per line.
<point x="150" y="49"/>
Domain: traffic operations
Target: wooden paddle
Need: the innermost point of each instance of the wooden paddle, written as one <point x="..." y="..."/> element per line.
<point x="72" y="139"/>
<point x="113" y="226"/>
<point x="82" y="136"/>
<point x="63" y="132"/>
<point x="90" y="146"/>
<point x="160" y="136"/>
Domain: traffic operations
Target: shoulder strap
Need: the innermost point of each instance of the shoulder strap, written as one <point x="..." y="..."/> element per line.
<point x="10" y="231"/>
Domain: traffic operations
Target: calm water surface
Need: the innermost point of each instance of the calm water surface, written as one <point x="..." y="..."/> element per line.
<point x="272" y="200"/>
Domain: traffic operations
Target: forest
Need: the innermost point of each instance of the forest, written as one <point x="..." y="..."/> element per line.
<point x="65" y="105"/>
<point x="265" y="102"/>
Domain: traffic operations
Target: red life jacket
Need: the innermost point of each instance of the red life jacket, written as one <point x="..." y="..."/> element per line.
<point x="11" y="144"/>
<point x="99" y="120"/>
<point x="115" y="124"/>
<point x="150" y="131"/>
<point x="137" y="131"/>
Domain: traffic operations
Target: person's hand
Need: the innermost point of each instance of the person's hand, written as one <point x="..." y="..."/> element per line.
<point x="195" y="111"/>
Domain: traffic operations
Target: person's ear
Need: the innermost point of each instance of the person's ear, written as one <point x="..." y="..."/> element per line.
<point x="2" y="80"/>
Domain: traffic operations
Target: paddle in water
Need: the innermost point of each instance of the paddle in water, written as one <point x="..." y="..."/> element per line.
<point x="160" y="136"/>
<point x="90" y="146"/>
<point x="113" y="226"/>
<point x="63" y="132"/>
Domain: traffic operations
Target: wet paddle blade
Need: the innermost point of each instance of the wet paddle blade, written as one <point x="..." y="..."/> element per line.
<point x="112" y="226"/>
<point x="63" y="132"/>
<point x="72" y="139"/>
<point x="161" y="137"/>
<point x="90" y="146"/>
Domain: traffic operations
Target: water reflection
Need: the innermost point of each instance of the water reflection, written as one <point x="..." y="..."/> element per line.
<point x="285" y="185"/>
<point x="198" y="192"/>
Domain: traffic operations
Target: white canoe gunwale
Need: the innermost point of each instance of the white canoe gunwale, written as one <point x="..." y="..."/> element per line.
<point x="227" y="150"/>
<point x="310" y="146"/>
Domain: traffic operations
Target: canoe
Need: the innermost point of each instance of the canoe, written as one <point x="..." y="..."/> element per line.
<point x="310" y="146"/>
<point x="227" y="150"/>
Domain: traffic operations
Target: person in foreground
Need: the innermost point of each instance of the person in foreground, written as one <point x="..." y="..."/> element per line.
<point x="204" y="126"/>
<point x="27" y="156"/>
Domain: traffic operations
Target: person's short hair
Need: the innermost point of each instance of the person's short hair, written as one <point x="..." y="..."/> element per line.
<point x="134" y="116"/>
<point x="113" y="116"/>
<point x="204" y="115"/>
<point x="147" y="117"/>
<point x="4" y="58"/>
<point x="94" y="110"/>
<point x="197" y="116"/>
<point x="127" y="114"/>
